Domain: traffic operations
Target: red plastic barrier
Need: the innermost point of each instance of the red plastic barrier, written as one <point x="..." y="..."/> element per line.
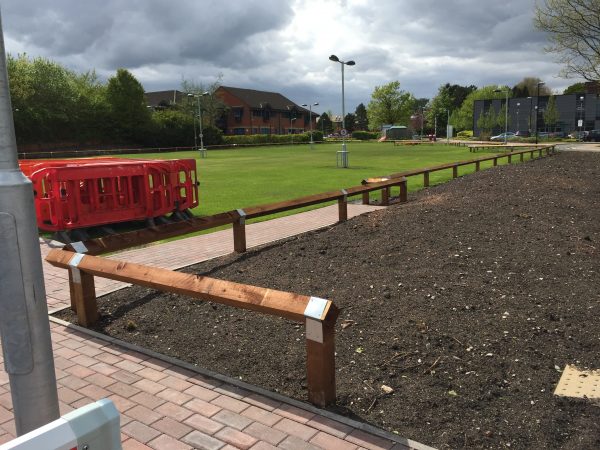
<point x="81" y="193"/>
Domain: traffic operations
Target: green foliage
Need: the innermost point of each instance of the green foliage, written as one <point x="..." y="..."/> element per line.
<point x="325" y="124"/>
<point x="257" y="139"/>
<point x="487" y="121"/>
<point x="528" y="87"/>
<point x="350" y="122"/>
<point x="551" y="114"/>
<point x="465" y="134"/>
<point x="129" y="112"/>
<point x="390" y="105"/>
<point x="501" y="118"/>
<point x="463" y="119"/>
<point x="362" y="121"/>
<point x="572" y="27"/>
<point x="365" y="135"/>
<point x="576" y="88"/>
<point x="449" y="98"/>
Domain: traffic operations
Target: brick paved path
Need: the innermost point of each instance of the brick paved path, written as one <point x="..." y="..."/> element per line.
<point x="166" y="406"/>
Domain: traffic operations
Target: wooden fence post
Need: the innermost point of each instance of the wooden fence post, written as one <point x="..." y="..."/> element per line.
<point x="365" y="198"/>
<point x="521" y="155"/>
<point x="426" y="178"/>
<point x="540" y="150"/>
<point x="385" y="196"/>
<point x="320" y="316"/>
<point x="403" y="191"/>
<point x="495" y="162"/>
<point x="455" y="171"/>
<point x="343" y="206"/>
<point x="239" y="232"/>
<point x="477" y="166"/>
<point x="83" y="293"/>
<point x="510" y="158"/>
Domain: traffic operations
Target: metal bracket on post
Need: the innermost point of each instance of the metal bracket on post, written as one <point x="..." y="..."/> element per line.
<point x="320" y="350"/>
<point x="83" y="293"/>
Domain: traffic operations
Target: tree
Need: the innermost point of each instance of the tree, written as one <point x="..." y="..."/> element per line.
<point x="576" y="88"/>
<point x="573" y="28"/>
<point x="325" y="124"/>
<point x="527" y="87"/>
<point x="128" y="107"/>
<point x="501" y="118"/>
<point x="390" y="105"/>
<point x="551" y="114"/>
<point x="463" y="119"/>
<point x="487" y="121"/>
<point x="212" y="107"/>
<point x="350" y="122"/>
<point x="362" y="121"/>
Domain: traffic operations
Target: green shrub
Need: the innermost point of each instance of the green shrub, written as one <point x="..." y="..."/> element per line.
<point x="465" y="134"/>
<point x="365" y="135"/>
<point x="258" y="139"/>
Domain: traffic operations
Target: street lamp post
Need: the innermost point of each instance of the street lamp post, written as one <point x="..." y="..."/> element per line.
<point x="448" y="126"/>
<point x="202" y="149"/>
<point x="422" y="114"/>
<point x="505" y="114"/>
<point x="530" y="110"/>
<point x="518" y="124"/>
<point x="537" y="110"/>
<point x="582" y="98"/>
<point x="344" y="153"/>
<point x="310" y="120"/>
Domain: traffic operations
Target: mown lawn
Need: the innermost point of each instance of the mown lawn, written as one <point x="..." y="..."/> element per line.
<point x="238" y="178"/>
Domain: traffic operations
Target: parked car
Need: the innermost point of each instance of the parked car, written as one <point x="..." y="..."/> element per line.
<point x="522" y="134"/>
<point x="592" y="136"/>
<point x="579" y="135"/>
<point x="510" y="135"/>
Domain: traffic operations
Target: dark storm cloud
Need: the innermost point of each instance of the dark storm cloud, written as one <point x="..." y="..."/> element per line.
<point x="131" y="34"/>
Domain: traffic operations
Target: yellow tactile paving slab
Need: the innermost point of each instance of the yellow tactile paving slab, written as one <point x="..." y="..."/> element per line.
<point x="578" y="383"/>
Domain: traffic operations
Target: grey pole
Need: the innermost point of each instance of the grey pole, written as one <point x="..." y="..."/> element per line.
<point x="24" y="325"/>
<point x="202" y="150"/>
<point x="310" y="105"/>
<point x="506" y="119"/>
<point x="344" y="152"/>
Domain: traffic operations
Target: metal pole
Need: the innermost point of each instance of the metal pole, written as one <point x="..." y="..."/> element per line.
<point x="344" y="151"/>
<point x="448" y="127"/>
<point x="506" y="119"/>
<point x="422" y="113"/>
<point x="201" y="130"/>
<point x="24" y="325"/>
<point x="310" y="124"/>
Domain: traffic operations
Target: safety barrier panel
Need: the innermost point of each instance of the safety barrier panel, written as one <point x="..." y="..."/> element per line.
<point x="71" y="194"/>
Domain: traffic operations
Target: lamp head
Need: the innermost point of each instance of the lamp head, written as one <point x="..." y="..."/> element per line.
<point x="316" y="104"/>
<point x="350" y="63"/>
<point x="334" y="58"/>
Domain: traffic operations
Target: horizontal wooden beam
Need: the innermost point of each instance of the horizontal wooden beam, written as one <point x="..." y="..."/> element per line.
<point x="267" y="301"/>
<point x="112" y="243"/>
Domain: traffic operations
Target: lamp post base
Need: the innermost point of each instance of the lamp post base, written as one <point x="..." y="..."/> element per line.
<point x="342" y="158"/>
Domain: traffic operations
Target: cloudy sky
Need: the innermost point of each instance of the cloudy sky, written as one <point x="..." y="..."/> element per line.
<point x="284" y="46"/>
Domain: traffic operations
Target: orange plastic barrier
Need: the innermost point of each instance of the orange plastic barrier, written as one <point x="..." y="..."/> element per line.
<point x="81" y="193"/>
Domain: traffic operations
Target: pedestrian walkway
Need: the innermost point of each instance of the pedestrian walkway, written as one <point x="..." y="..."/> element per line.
<point x="166" y="404"/>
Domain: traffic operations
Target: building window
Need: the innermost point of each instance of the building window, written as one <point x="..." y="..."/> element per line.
<point x="237" y="114"/>
<point x="239" y="131"/>
<point x="265" y="130"/>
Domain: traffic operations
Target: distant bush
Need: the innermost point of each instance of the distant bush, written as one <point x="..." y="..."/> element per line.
<point x="465" y="134"/>
<point x="365" y="135"/>
<point x="257" y="139"/>
<point x="485" y="136"/>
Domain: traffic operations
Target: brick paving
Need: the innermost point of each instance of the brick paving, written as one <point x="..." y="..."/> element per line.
<point x="166" y="406"/>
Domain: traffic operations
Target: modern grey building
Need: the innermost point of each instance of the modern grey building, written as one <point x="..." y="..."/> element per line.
<point x="576" y="112"/>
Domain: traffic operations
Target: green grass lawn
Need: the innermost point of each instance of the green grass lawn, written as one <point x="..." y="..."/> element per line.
<point x="238" y="178"/>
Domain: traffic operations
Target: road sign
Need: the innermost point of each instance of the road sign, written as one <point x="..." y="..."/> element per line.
<point x="344" y="132"/>
<point x="580" y="123"/>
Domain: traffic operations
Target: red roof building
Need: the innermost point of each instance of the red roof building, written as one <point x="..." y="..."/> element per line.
<point x="259" y="112"/>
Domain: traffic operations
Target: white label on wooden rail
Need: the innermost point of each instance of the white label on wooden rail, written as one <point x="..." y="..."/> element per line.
<point x="316" y="307"/>
<point x="314" y="330"/>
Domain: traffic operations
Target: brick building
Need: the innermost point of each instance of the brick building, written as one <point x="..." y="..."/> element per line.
<point x="259" y="112"/>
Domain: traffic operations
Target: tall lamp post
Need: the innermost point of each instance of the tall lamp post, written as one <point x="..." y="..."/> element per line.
<point x="448" y="126"/>
<point x="343" y="155"/>
<point x="310" y="120"/>
<point x="422" y="114"/>
<point x="530" y="109"/>
<point x="537" y="110"/>
<point x="505" y="113"/>
<point x="518" y="124"/>
<point x="202" y="149"/>
<point x="581" y="115"/>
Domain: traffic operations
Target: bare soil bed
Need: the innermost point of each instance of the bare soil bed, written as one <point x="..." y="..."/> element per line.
<point x="467" y="301"/>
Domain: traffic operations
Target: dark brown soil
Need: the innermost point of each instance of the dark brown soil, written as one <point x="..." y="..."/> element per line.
<point x="468" y="301"/>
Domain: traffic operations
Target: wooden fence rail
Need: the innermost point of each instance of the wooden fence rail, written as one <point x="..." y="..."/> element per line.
<point x="238" y="217"/>
<point x="318" y="315"/>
